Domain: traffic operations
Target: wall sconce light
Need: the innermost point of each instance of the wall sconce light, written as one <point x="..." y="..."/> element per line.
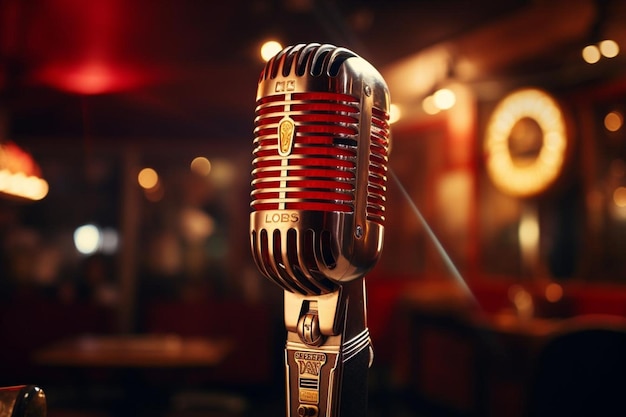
<point x="441" y="99"/>
<point x="607" y="48"/>
<point x="597" y="48"/>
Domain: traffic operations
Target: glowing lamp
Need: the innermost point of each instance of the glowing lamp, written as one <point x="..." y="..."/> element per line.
<point x="20" y="176"/>
<point x="526" y="143"/>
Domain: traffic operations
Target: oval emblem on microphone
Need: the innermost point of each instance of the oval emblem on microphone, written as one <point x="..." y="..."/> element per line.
<point x="286" y="133"/>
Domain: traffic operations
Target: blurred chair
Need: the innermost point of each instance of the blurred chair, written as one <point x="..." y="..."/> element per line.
<point x="581" y="371"/>
<point x="22" y="401"/>
<point x="446" y="364"/>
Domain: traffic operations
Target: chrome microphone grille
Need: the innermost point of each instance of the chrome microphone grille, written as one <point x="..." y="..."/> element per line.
<point x="295" y="259"/>
<point x="379" y="155"/>
<point x="320" y="172"/>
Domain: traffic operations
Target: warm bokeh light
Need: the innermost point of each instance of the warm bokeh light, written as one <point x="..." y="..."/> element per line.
<point x="201" y="166"/>
<point x="613" y="121"/>
<point x="148" y="178"/>
<point x="619" y="197"/>
<point x="269" y="49"/>
<point x="542" y="171"/>
<point x="223" y="172"/>
<point x="196" y="225"/>
<point x="444" y="98"/>
<point x="529" y="232"/>
<point x="522" y="301"/>
<point x="21" y="185"/>
<point x="554" y="292"/>
<point x="20" y="176"/>
<point x="429" y="106"/>
<point x="591" y="54"/>
<point x="87" y="239"/>
<point x="609" y="48"/>
<point x="394" y="113"/>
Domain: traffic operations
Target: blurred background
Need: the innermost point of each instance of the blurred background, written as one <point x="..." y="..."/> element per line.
<point x="125" y="158"/>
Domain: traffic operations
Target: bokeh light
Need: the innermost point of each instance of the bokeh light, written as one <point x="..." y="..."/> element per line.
<point x="444" y="98"/>
<point x="619" y="197"/>
<point x="87" y="239"/>
<point x="394" y="113"/>
<point x="613" y="121"/>
<point x="429" y="106"/>
<point x="148" y="178"/>
<point x="21" y="185"/>
<point x="269" y="49"/>
<point x="554" y="292"/>
<point x="201" y="166"/>
<point x="609" y="48"/>
<point x="591" y="54"/>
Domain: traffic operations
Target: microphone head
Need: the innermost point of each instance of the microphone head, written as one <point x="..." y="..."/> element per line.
<point x="321" y="142"/>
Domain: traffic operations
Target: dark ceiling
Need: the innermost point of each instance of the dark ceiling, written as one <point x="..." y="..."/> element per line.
<point x="144" y="69"/>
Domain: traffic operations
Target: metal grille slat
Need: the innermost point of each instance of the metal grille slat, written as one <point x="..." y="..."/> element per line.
<point x="320" y="172"/>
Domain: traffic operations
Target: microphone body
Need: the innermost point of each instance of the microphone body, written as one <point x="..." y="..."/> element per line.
<point x="316" y="226"/>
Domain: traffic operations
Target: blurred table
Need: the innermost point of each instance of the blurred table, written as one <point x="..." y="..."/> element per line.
<point x="134" y="351"/>
<point x="143" y="371"/>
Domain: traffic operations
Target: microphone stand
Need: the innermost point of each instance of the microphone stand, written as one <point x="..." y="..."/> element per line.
<point x="328" y="352"/>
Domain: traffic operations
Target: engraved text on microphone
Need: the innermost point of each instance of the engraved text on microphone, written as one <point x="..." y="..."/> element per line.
<point x="309" y="366"/>
<point x="278" y="217"/>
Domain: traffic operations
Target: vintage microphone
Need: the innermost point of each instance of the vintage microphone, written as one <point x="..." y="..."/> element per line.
<point x="316" y="227"/>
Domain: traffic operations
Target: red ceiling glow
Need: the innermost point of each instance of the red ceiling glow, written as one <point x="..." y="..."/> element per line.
<point x="76" y="46"/>
<point x="89" y="77"/>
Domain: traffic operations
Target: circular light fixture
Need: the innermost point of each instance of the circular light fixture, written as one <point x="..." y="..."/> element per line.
<point x="526" y="143"/>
